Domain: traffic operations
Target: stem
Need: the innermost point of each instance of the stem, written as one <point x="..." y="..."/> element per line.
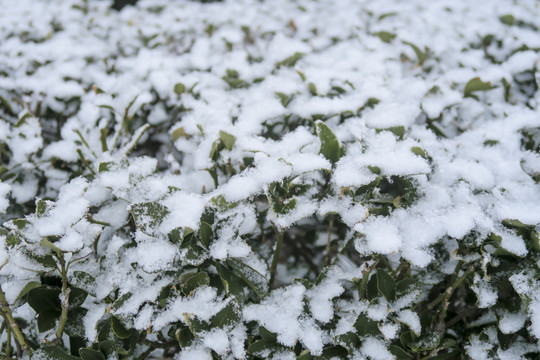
<point x="275" y="259"/>
<point x="448" y="293"/>
<point x="386" y="263"/>
<point x="8" y="342"/>
<point x="65" y="303"/>
<point x="6" y="313"/>
<point x="400" y="267"/>
<point x="365" y="278"/>
<point x="145" y="354"/>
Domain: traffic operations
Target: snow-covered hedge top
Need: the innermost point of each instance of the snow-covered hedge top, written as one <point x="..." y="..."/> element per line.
<point x="281" y="179"/>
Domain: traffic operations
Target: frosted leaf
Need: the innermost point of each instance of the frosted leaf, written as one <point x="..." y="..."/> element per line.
<point x="411" y="319"/>
<point x="487" y="296"/>
<point x="375" y="349"/>
<point x="510" y="323"/>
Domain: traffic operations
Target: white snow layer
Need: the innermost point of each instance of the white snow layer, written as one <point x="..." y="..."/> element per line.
<point x="385" y="105"/>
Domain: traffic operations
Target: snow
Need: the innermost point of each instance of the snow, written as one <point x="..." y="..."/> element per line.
<point x="194" y="353"/>
<point x="411" y="319"/>
<point x="4" y="191"/>
<point x="487" y="296"/>
<point x="375" y="349"/>
<point x="382" y="237"/>
<point x="510" y="323"/>
<point x="287" y="322"/>
<point x="71" y="69"/>
<point x="202" y="304"/>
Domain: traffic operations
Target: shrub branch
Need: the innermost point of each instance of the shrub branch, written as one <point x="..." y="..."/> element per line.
<point x="13" y="326"/>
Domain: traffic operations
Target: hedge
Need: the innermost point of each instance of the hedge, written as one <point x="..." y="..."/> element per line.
<point x="270" y="180"/>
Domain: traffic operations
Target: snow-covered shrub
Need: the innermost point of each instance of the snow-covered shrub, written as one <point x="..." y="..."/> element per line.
<point x="270" y="180"/>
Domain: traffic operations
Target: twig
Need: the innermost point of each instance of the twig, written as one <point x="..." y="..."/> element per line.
<point x="8" y="342"/>
<point x="445" y="296"/>
<point x="65" y="302"/>
<point x="145" y="354"/>
<point x="6" y="313"/>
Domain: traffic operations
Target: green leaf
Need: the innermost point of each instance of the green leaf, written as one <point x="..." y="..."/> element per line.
<point x="535" y="241"/>
<point x="184" y="336"/>
<point x="267" y="334"/>
<point x="388" y="14"/>
<point x="84" y="281"/>
<point x="254" y="279"/>
<point x="76" y="297"/>
<point x="53" y="352"/>
<point x="454" y="355"/>
<point x="179" y="88"/>
<point x="195" y="254"/>
<point x="148" y="216"/>
<point x="420" y="55"/>
<point x="227" y="139"/>
<point x="118" y="328"/>
<point x="90" y="354"/>
<point x="41" y="207"/>
<point x="44" y="299"/>
<point x="291" y="60"/>
<point x="46" y="303"/>
<point x="120" y="301"/>
<point x="75" y="324"/>
<point x="386" y="285"/>
<point x="514" y="223"/>
<point x="399" y="353"/>
<point x="6" y="105"/>
<point x="406" y="338"/>
<point x="108" y="347"/>
<point x="333" y="352"/>
<point x="76" y="343"/>
<point x="178" y="133"/>
<point x="372" y="290"/>
<point x="491" y="142"/>
<point x="233" y="284"/>
<point x="227" y="316"/>
<point x="365" y="326"/>
<point x="385" y="36"/>
<point x="312" y="89"/>
<point x="47" y="321"/>
<point x="419" y="151"/>
<point x="399" y="131"/>
<point x="476" y="84"/>
<point x="329" y="142"/>
<point x="104" y="166"/>
<point x="262" y="346"/>
<point x="323" y="274"/>
<point x="304" y="282"/>
<point x="507" y="19"/>
<point x="47" y="260"/>
<point x="191" y="281"/>
<point x="50" y="245"/>
<point x="206" y="234"/>
<point x="26" y="289"/>
<point x="349" y="340"/>
<point x="285" y="99"/>
<point x="20" y="223"/>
